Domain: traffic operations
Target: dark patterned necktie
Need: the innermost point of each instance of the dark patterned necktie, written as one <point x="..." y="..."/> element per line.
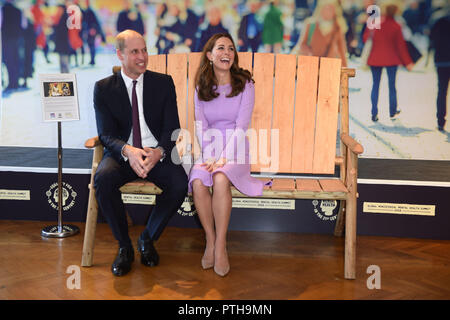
<point x="137" y="141"/>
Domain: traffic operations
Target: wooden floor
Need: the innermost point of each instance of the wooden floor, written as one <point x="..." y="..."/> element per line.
<point x="263" y="266"/>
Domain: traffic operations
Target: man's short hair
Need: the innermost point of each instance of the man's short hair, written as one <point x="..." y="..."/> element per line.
<point x="122" y="37"/>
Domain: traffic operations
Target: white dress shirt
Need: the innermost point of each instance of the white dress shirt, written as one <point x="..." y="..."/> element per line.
<point x="148" y="139"/>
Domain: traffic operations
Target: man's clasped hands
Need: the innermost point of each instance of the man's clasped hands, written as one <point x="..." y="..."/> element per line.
<point x="143" y="160"/>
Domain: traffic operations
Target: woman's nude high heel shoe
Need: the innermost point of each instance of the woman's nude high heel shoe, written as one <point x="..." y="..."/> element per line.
<point x="207" y="264"/>
<point x="222" y="270"/>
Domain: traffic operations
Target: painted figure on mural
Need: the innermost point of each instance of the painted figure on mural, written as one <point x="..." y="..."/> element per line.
<point x="40" y="26"/>
<point x="440" y="43"/>
<point x="358" y="26"/>
<point x="177" y="27"/>
<point x="211" y="25"/>
<point x="74" y="33"/>
<point x="27" y="49"/>
<point x="324" y="33"/>
<point x="12" y="33"/>
<point x="91" y="31"/>
<point x="60" y="37"/>
<point x="388" y="51"/>
<point x="272" y="35"/>
<point x="250" y="28"/>
<point x="169" y="30"/>
<point x="190" y="22"/>
<point x="130" y="18"/>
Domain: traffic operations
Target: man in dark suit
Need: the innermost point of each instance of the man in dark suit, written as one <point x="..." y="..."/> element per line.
<point x="136" y="113"/>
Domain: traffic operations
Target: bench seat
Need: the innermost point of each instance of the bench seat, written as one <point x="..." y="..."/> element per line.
<point x="281" y="188"/>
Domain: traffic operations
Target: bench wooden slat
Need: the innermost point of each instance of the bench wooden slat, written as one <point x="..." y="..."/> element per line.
<point x="266" y="187"/>
<point x="283" y="110"/>
<point x="283" y="184"/>
<point x="177" y="68"/>
<point x="305" y="114"/>
<point x="277" y="193"/>
<point x="245" y="61"/>
<point x="289" y="194"/>
<point x="308" y="185"/>
<point x="327" y="115"/>
<point x="263" y="66"/>
<point x="194" y="62"/>
<point x="332" y="185"/>
<point x="157" y="63"/>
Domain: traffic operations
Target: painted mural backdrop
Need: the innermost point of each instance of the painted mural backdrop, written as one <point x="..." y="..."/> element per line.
<point x="406" y="70"/>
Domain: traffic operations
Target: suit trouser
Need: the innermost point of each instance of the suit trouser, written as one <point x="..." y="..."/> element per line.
<point x="111" y="175"/>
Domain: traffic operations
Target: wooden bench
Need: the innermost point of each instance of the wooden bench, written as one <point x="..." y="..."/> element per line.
<point x="299" y="103"/>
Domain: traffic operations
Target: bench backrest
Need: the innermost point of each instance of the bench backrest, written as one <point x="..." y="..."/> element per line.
<point x="297" y="95"/>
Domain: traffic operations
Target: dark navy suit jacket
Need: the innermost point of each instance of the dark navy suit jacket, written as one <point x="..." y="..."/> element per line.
<point x="114" y="117"/>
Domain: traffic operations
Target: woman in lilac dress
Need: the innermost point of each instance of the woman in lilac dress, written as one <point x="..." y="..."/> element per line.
<point x="224" y="100"/>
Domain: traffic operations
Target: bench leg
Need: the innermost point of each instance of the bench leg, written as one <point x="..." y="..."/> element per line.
<point x="340" y="220"/>
<point x="89" y="234"/>
<point x="91" y="218"/>
<point x="350" y="218"/>
<point x="350" y="239"/>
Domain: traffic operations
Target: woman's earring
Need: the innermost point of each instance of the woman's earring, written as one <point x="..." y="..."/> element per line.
<point x="210" y="62"/>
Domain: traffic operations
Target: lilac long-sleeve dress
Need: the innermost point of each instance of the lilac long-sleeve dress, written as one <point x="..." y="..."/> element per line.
<point x="221" y="125"/>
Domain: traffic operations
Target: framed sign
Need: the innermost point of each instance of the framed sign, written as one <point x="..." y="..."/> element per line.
<point x="59" y="97"/>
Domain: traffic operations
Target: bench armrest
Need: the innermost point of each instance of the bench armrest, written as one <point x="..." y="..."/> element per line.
<point x="92" y="142"/>
<point x="351" y="143"/>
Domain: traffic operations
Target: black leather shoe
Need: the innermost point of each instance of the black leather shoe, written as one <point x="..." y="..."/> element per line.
<point x="122" y="265"/>
<point x="375" y="118"/>
<point x="149" y="256"/>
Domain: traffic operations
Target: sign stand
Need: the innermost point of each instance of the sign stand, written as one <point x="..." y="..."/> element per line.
<point x="60" y="230"/>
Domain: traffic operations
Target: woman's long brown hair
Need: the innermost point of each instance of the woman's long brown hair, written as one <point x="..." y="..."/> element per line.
<point x="206" y="81"/>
